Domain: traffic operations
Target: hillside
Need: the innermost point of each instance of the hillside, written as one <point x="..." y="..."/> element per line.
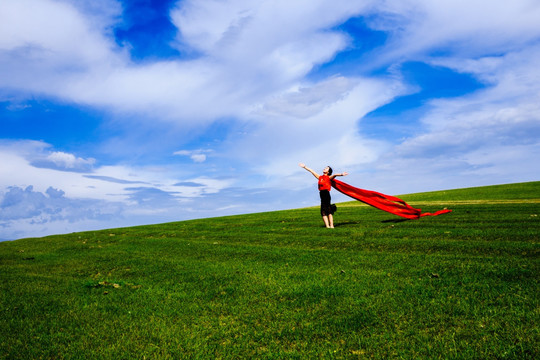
<point x="508" y="192"/>
<point x="280" y="285"/>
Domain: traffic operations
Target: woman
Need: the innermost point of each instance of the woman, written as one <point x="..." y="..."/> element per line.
<point x="325" y="184"/>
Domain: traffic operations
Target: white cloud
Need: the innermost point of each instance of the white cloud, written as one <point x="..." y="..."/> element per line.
<point x="304" y="101"/>
<point x="63" y="161"/>
<point x="508" y="112"/>
<point x="43" y="28"/>
<point x="198" y="156"/>
<point x="233" y="29"/>
<point x="316" y="124"/>
<point x="42" y="48"/>
<point x="36" y="201"/>
<point x="27" y="212"/>
<point x="109" y="183"/>
<point x="471" y="28"/>
<point x="61" y="51"/>
<point x="490" y="136"/>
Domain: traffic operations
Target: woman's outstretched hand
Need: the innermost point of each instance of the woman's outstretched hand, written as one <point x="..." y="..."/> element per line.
<point x="302" y="165"/>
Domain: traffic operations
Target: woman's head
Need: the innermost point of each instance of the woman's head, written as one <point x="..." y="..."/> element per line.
<point x="327" y="170"/>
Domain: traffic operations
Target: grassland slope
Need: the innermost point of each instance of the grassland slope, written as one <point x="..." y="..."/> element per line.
<point x="279" y="285"/>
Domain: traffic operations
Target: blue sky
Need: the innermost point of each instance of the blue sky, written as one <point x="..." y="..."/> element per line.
<point x="120" y="113"/>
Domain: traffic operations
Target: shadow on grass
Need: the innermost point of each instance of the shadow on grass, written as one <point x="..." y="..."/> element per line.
<point x="348" y="223"/>
<point x="352" y="223"/>
<point x="395" y="220"/>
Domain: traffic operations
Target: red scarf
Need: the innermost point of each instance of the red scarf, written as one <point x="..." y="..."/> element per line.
<point x="384" y="202"/>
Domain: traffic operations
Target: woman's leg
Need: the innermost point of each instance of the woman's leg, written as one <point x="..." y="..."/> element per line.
<point x="326" y="210"/>
<point x="326" y="221"/>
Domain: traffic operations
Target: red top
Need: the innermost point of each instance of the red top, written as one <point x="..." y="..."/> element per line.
<point x="324" y="183"/>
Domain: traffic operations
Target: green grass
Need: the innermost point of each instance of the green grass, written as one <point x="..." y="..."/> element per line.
<point x="279" y="285"/>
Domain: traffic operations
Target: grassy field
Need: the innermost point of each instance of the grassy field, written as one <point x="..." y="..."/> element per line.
<point x="279" y="285"/>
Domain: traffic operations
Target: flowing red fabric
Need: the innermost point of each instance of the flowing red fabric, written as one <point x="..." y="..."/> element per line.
<point x="384" y="202"/>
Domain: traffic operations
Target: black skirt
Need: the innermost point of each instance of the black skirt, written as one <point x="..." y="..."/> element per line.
<point x="326" y="207"/>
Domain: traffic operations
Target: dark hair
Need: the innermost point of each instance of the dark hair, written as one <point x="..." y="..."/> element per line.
<point x="329" y="171"/>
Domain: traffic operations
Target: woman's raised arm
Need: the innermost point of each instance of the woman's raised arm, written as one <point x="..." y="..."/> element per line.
<point x="342" y="174"/>
<point x="302" y="165"/>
